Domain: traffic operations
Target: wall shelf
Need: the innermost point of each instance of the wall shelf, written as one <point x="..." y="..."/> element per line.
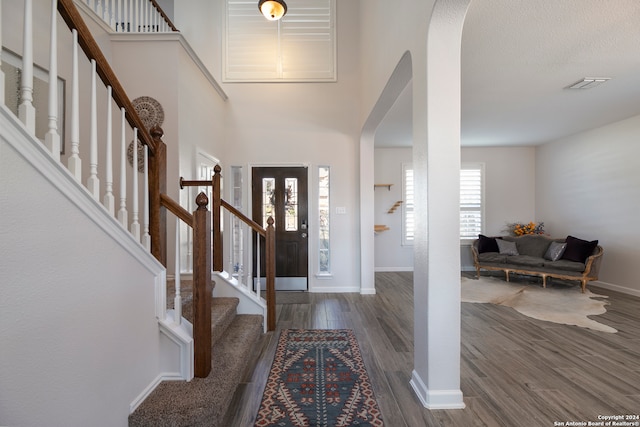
<point x="380" y="227"/>
<point x="382" y="185"/>
<point x="394" y="207"/>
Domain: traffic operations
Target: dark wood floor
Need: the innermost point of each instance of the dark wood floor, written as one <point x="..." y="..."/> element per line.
<point x="516" y="371"/>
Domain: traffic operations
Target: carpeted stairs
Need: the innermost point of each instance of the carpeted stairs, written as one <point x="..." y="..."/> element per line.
<point x="204" y="401"/>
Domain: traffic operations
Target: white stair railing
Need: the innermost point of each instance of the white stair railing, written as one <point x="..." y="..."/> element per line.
<point x="99" y="171"/>
<point x="131" y="16"/>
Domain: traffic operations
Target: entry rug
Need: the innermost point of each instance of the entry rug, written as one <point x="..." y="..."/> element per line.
<point x="318" y="378"/>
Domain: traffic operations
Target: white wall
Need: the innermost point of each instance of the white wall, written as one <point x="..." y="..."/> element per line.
<point x="588" y="186"/>
<point x="80" y="340"/>
<point x="390" y="253"/>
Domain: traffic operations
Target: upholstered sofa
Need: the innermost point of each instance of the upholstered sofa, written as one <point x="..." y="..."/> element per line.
<point x="538" y="255"/>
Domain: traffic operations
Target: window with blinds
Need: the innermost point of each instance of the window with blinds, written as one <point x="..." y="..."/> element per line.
<point x="471" y="202"/>
<point x="298" y="47"/>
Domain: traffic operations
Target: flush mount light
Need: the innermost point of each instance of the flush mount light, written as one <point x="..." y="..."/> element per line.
<point x="272" y="9"/>
<point x="589" y="82"/>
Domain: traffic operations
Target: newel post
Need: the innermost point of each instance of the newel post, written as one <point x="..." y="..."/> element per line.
<point x="202" y="288"/>
<point x="158" y="186"/>
<point x="270" y="260"/>
<point x="217" y="212"/>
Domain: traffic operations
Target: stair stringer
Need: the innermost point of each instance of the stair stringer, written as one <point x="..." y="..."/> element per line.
<point x="250" y="303"/>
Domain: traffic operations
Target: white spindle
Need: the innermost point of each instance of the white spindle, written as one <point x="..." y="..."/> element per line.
<point x="144" y="7"/>
<point x="52" y="138"/>
<point x="122" y="212"/>
<point x="259" y="282"/>
<point x="112" y="19"/>
<point x="75" y="163"/>
<point x="26" y="110"/>
<point x="109" y="200"/>
<point x="92" y="4"/>
<point x="177" y="301"/>
<point x="93" y="183"/>
<point x="189" y="262"/>
<point x="119" y="21"/>
<point x="1" y="72"/>
<point x="135" y="224"/>
<point x="129" y="27"/>
<point x="99" y="10"/>
<point x="146" y="238"/>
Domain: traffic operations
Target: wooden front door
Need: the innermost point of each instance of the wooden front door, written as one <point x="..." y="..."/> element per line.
<point x="281" y="192"/>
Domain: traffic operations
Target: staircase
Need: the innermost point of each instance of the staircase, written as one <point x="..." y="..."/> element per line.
<point x="205" y="401"/>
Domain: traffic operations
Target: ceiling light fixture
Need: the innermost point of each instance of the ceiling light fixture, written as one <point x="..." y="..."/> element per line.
<point x="272" y="9"/>
<point x="589" y="82"/>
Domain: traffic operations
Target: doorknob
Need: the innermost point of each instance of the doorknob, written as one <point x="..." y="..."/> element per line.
<point x="304" y="235"/>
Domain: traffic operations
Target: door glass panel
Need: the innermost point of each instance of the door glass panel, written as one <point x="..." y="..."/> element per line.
<point x="291" y="204"/>
<point x="268" y="200"/>
<point x="324" y="209"/>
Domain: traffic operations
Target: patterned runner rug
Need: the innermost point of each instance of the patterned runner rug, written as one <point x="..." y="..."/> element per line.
<point x="318" y="378"/>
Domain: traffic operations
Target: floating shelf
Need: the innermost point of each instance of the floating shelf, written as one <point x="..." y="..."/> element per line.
<point x="380" y="227"/>
<point x="395" y="206"/>
<point x="382" y="185"/>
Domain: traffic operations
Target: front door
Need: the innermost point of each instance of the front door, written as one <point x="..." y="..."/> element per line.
<point x="281" y="192"/>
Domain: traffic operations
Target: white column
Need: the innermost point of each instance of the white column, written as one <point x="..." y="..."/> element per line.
<point x="52" y="138"/>
<point x="146" y="238"/>
<point x="135" y="224"/>
<point x="109" y="200"/>
<point x="75" y="163"/>
<point x="123" y="217"/>
<point x="177" y="301"/>
<point x="26" y="111"/>
<point x="436" y="162"/>
<point x="93" y="183"/>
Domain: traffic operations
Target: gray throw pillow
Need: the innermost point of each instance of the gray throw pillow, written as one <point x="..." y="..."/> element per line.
<point x="555" y="251"/>
<point x="507" y="248"/>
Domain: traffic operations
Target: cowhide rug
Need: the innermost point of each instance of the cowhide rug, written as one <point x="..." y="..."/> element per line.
<point x="566" y="305"/>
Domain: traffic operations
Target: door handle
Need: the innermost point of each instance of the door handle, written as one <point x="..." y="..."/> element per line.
<point x="304" y="235"/>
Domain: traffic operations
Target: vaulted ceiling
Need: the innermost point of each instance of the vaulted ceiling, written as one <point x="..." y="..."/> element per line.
<point x="519" y="57"/>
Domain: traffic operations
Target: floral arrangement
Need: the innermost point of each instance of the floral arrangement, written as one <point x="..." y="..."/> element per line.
<point x="520" y="229"/>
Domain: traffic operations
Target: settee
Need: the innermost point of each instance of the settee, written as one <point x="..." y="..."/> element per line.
<point x="539" y="255"/>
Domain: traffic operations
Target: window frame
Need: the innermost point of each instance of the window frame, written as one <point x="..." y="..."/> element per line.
<point x="481" y="167"/>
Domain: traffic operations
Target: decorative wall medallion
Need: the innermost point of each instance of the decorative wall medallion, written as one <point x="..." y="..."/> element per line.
<point x="149" y="110"/>
<point x="140" y="155"/>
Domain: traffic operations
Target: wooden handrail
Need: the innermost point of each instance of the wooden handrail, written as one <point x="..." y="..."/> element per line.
<point x="164" y="15"/>
<point x="74" y="20"/>
<point x="242" y="217"/>
<point x="176" y="209"/>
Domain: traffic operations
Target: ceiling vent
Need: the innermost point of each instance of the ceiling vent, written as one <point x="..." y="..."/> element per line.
<point x="589" y="82"/>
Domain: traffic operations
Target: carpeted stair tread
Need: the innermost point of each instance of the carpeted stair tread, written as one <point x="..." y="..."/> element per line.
<point x="203" y="401"/>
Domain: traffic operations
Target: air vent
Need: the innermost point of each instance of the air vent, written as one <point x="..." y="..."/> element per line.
<point x="589" y="82"/>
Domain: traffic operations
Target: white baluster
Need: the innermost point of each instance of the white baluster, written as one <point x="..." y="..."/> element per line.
<point x="143" y="10"/>
<point x="137" y="20"/>
<point x="177" y="301"/>
<point x="92" y="4"/>
<point x="52" y="138"/>
<point x="146" y="238"/>
<point x="99" y="10"/>
<point x="135" y="225"/>
<point x="75" y="163"/>
<point x="189" y="262"/>
<point x="112" y="19"/>
<point x="119" y="21"/>
<point x="122" y="212"/>
<point x="109" y="200"/>
<point x="26" y="111"/>
<point x="259" y="283"/>
<point x="130" y="17"/>
<point x="93" y="183"/>
<point x="1" y="72"/>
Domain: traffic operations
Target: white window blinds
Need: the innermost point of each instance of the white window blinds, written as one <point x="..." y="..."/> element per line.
<point x="471" y="201"/>
<point x="299" y="47"/>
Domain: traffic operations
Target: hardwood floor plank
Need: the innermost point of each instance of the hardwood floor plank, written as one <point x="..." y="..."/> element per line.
<point x="515" y="370"/>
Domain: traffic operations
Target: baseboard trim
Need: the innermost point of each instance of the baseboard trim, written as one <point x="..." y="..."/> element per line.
<point x="436" y="399"/>
<point x="392" y="269"/>
<point x="617" y="288"/>
<point x="165" y="376"/>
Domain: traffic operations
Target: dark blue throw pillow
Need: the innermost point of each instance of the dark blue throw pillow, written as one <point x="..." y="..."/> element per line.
<point x="578" y="250"/>
<point x="487" y="244"/>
